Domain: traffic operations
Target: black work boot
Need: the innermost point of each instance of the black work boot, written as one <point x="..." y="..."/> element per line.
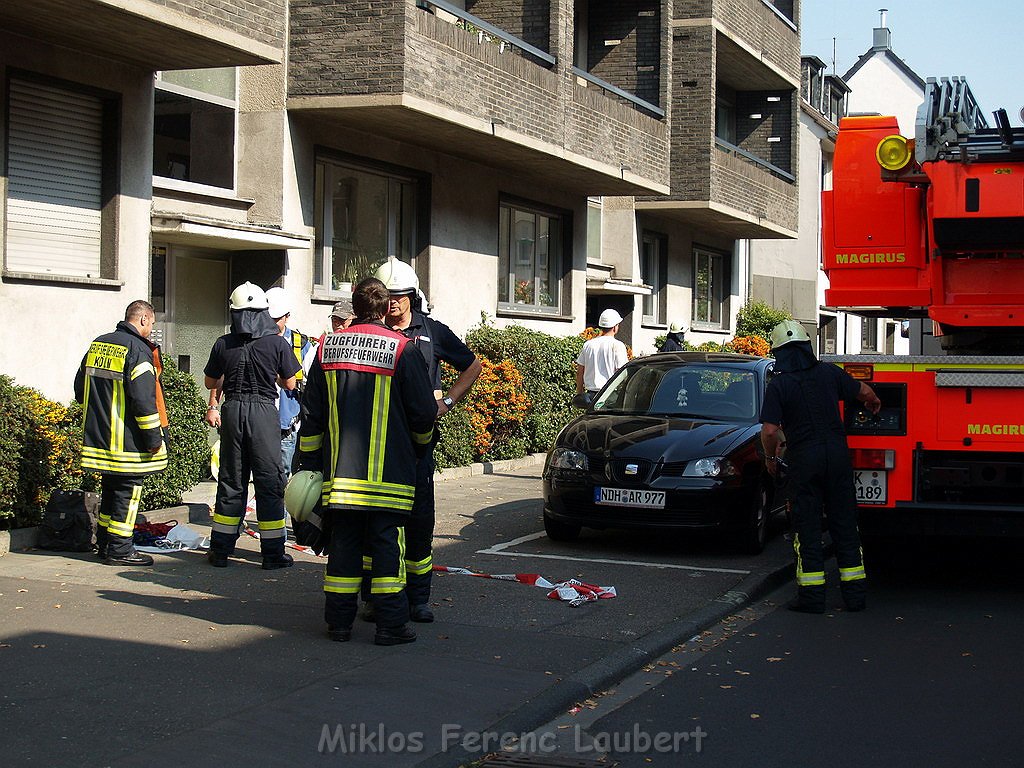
<point x="421" y="613"/>
<point x="217" y="559"/>
<point x="368" y="613"/>
<point x="394" y="635"/>
<point x="809" y="600"/>
<point x="272" y="562"/>
<point x="339" y="634"/>
<point x="132" y="558"/>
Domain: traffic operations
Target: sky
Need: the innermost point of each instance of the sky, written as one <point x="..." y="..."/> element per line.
<point x="982" y="40"/>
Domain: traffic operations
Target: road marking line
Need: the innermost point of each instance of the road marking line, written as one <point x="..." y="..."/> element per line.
<point x="499" y="549"/>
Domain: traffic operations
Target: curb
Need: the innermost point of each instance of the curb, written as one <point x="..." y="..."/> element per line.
<point x="195" y="512"/>
<point x="620" y="664"/>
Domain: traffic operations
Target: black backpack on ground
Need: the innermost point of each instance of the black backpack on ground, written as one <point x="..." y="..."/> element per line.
<point x="69" y="521"/>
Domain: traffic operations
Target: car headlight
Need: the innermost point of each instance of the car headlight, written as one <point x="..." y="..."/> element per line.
<point x="567" y="458"/>
<point x="711" y="466"/>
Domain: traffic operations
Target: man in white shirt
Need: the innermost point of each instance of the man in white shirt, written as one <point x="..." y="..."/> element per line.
<point x="602" y="356"/>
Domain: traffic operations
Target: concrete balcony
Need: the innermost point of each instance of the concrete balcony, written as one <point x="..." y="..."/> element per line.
<point x="734" y="121"/>
<point x="466" y="86"/>
<point x="154" y="35"/>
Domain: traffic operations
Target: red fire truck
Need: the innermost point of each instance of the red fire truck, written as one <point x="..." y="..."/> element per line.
<point x="933" y="229"/>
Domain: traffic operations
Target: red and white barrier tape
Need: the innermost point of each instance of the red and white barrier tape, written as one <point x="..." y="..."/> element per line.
<point x="288" y="543"/>
<point x="571" y="591"/>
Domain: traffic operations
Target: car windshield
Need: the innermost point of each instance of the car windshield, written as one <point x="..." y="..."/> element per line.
<point x="698" y="391"/>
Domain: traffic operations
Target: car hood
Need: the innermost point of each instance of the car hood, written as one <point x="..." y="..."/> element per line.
<point x="655" y="437"/>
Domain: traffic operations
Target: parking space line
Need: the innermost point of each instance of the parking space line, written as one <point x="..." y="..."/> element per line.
<point x="500" y="549"/>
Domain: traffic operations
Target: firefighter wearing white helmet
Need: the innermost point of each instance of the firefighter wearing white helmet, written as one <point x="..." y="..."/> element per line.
<point x="407" y="314"/>
<point x="246" y="366"/>
<point x="288" y="401"/>
<point x="803" y="399"/>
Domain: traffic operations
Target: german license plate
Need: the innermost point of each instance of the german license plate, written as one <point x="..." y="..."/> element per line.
<point x="872" y="486"/>
<point x="625" y="497"/>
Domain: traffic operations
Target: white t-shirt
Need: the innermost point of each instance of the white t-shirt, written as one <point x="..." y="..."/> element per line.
<point x="601" y="357"/>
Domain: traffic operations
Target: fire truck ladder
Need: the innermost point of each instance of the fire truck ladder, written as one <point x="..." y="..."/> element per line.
<point x="951" y="126"/>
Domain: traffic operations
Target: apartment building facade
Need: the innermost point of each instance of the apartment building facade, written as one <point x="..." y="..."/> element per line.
<point x="535" y="160"/>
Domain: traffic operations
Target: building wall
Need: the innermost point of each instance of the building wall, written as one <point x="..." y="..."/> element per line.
<point x="623" y="46"/>
<point x="785" y="273"/>
<point x="880" y="87"/>
<point x="262" y="20"/>
<point x="529" y="20"/>
<point x="62" y="317"/>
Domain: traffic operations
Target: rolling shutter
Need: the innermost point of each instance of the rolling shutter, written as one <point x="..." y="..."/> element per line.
<point x="54" y="188"/>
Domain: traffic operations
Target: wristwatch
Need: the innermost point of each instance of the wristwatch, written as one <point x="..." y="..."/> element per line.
<point x="448" y="402"/>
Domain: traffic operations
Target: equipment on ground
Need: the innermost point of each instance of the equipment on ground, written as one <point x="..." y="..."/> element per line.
<point x="933" y="230"/>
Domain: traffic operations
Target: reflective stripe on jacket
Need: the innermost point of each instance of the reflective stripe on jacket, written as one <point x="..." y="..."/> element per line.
<point x="117" y="385"/>
<point x="368" y="411"/>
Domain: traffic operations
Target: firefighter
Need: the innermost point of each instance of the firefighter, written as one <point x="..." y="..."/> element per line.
<point x="123" y="438"/>
<point x="368" y="412"/>
<point x="803" y="400"/>
<point x="674" y="340"/>
<point x="437" y="343"/>
<point x="288" y="400"/>
<point x="246" y="366"/>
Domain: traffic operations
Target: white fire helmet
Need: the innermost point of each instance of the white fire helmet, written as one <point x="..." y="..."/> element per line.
<point x="248" y="296"/>
<point x="278" y="303"/>
<point x="397" y="276"/>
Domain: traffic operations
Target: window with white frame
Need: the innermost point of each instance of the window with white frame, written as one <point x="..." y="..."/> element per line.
<point x="61" y="160"/>
<point x="194" y="126"/>
<point x="710" y="288"/>
<point x="530" y="268"/>
<point x="653" y="271"/>
<point x="364" y="215"/>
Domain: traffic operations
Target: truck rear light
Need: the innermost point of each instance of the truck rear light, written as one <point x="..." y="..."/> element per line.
<point x="873" y="458"/>
<point x="860" y="371"/>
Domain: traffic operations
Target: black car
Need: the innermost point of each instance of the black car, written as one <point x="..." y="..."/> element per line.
<point x="671" y="441"/>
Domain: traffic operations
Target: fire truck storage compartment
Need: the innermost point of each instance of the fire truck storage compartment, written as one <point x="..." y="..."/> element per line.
<point x="969" y="477"/>
<point x="891" y="418"/>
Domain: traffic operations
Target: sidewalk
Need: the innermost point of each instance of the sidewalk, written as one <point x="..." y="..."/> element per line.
<point x="183" y="664"/>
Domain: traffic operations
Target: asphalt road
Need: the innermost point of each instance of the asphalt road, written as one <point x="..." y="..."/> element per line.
<point x="929" y="676"/>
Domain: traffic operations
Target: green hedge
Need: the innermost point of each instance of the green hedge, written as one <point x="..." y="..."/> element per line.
<point x="547" y="364"/>
<point x="41" y="444"/>
<point x="189" y="460"/>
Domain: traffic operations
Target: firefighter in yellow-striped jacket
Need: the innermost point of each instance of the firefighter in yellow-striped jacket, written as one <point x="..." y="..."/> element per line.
<point x="368" y="413"/>
<point x="119" y="385"/>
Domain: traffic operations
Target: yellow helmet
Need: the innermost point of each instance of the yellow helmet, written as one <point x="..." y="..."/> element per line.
<point x="788" y="331"/>
<point x="302" y="493"/>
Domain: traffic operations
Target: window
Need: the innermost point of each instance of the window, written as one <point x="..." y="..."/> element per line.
<point x="868" y="334"/>
<point x="725" y="114"/>
<point x="653" y="271"/>
<point x="594" y="208"/>
<point x="194" y="115"/>
<point x="828" y="327"/>
<point x="530" y="258"/>
<point x="364" y="215"/>
<point x="710" y="289"/>
<point x="62" y="176"/>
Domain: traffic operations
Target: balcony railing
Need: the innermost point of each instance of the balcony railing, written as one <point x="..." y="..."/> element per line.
<point x="773" y="169"/>
<point x="655" y="110"/>
<point x="486" y="29"/>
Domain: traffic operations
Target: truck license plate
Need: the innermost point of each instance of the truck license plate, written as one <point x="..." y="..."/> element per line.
<point x="624" y="497"/>
<point x="872" y="486"/>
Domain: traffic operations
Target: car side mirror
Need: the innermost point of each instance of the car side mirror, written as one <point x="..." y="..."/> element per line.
<point x="583" y="400"/>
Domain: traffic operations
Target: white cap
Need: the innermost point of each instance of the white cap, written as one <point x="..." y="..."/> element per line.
<point x="609" y="319"/>
<point x="677" y="328"/>
<point x="279" y="305"/>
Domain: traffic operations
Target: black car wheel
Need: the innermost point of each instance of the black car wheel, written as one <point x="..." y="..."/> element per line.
<point x="755" y="535"/>
<point x="559" y="531"/>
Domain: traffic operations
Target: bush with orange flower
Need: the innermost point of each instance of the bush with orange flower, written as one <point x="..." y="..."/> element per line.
<point x="751" y="345"/>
